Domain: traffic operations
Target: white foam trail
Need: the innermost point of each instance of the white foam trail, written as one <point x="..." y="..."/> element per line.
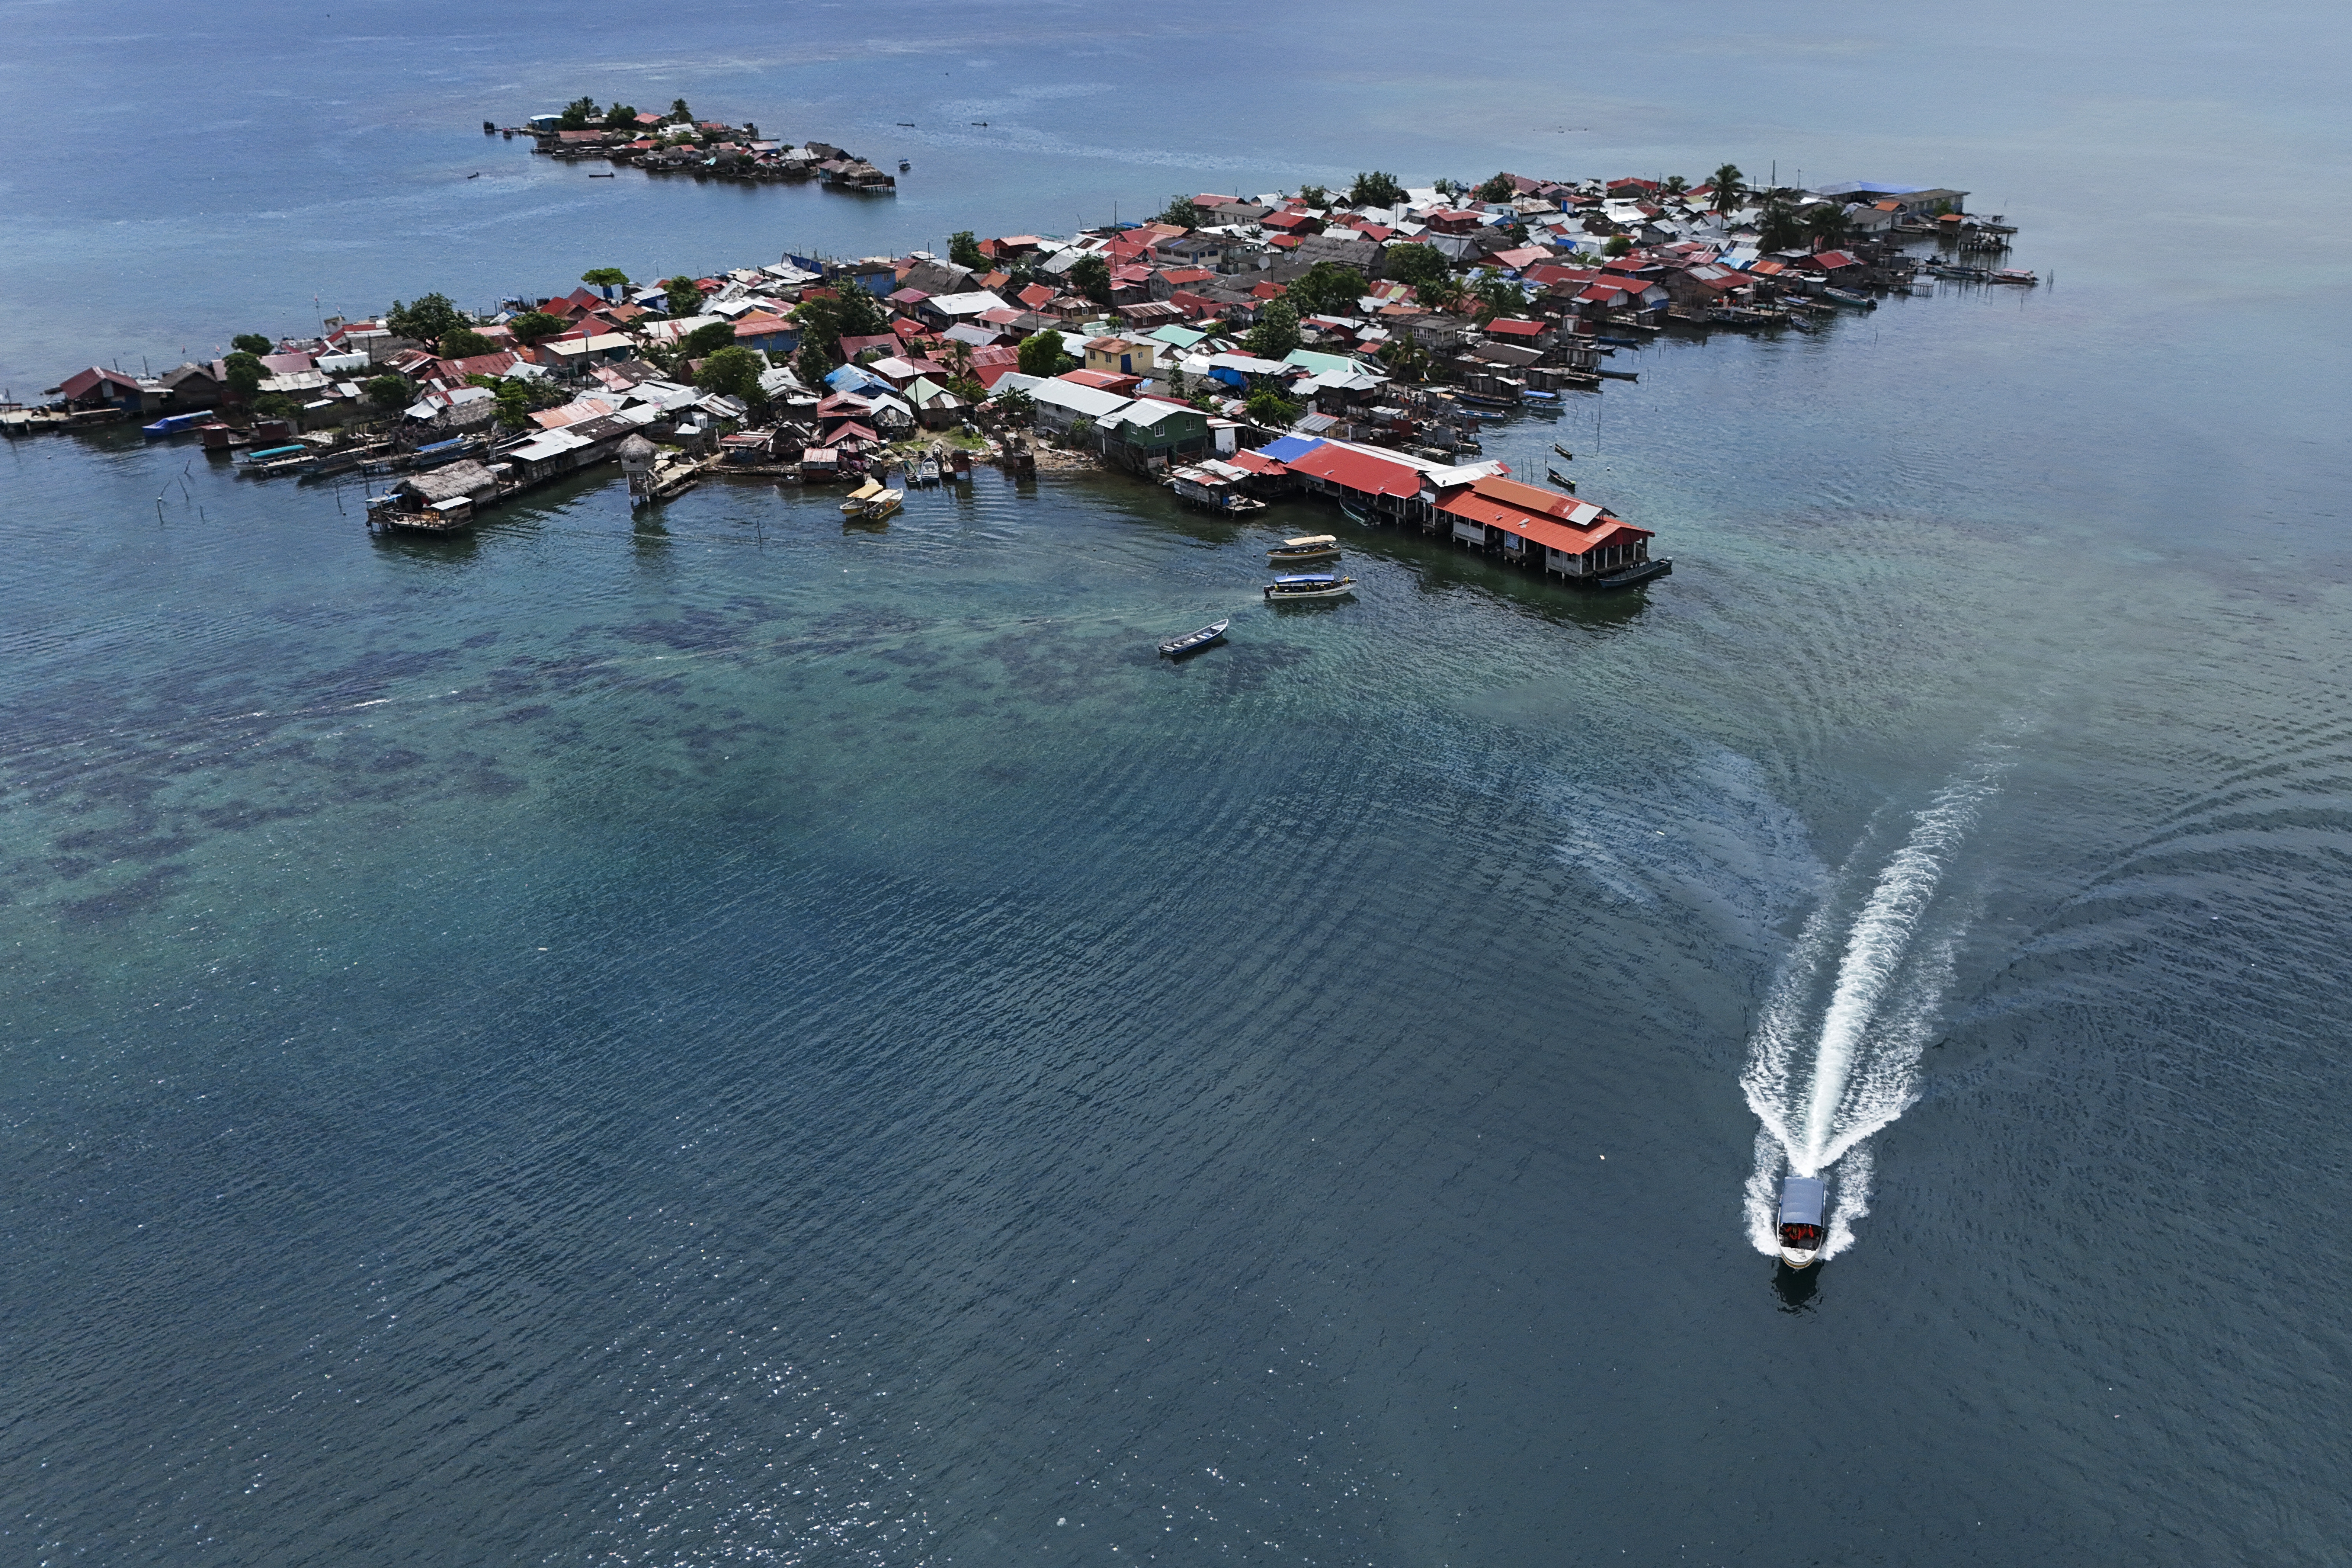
<point x="1817" y="1103"/>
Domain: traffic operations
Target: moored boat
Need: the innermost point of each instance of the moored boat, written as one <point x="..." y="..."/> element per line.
<point x="177" y="423"/>
<point x="1850" y="300"/>
<point x="2014" y="274"/>
<point x="1307" y="547"/>
<point x="1640" y="572"/>
<point x="1194" y="642"/>
<point x="1309" y="586"/>
<point x="1563" y="480"/>
<point x="881" y="506"/>
<point x="859" y="497"/>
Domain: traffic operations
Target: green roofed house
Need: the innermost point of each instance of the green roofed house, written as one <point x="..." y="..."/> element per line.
<point x="1149" y="435"/>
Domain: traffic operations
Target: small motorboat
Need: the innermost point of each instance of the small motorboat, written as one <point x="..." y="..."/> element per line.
<point x="904" y="165"/>
<point x="1563" y="480"/>
<point x="592" y="176"/>
<point x="1850" y="300"/>
<point x="1800" y="1221"/>
<point x="1357" y="515"/>
<point x="177" y="423"/>
<point x="1194" y="642"/>
<point x="1563" y="451"/>
<point x="881" y="506"/>
<point x="2014" y="274"/>
<point x="1640" y="572"/>
<point x="927" y="471"/>
<point x="1305" y="548"/>
<point x="859" y="497"/>
<point x="1309" y="586"/>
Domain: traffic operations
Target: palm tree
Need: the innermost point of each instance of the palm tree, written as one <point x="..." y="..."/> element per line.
<point x="1826" y="226"/>
<point x="1781" y="229"/>
<point x="1727" y="187"/>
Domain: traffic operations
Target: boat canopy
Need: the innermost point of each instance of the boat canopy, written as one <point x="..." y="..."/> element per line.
<point x="1801" y="1201"/>
<point x="1306" y="539"/>
<point x="1310" y="578"/>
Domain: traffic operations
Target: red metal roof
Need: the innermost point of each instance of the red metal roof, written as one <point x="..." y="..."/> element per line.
<point x="1474" y="507"/>
<point x="1359" y="471"/>
<point x="1833" y="259"/>
<point x="1511" y="329"/>
<point x="1254" y="463"/>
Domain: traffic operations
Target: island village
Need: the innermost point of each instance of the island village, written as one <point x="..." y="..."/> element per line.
<point x="1242" y="350"/>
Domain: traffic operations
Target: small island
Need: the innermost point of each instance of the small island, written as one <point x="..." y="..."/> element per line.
<point x="676" y="143"/>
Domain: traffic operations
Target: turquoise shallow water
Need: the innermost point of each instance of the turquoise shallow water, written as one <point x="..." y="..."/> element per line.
<point x="734" y="1040"/>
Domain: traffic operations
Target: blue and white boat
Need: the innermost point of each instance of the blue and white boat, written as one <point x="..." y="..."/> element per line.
<point x="1309" y="586"/>
<point x="177" y="423"/>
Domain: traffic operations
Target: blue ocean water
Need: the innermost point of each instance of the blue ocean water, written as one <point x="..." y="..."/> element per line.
<point x="723" y="1039"/>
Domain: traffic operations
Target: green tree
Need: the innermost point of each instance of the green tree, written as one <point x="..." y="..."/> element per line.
<point x="1328" y="288"/>
<point x="620" y="117"/>
<point x="465" y="344"/>
<point x="824" y="322"/>
<point x="1498" y="189"/>
<point x="1418" y="265"/>
<point x="680" y="112"/>
<point x="1276" y="332"/>
<point x="1375" y="189"/>
<point x="604" y="278"/>
<point x="963" y="249"/>
<point x="1827" y="225"/>
<point x="276" y="406"/>
<point x="1444" y="292"/>
<point x="1182" y="212"/>
<point x="683" y="297"/>
<point x="1617" y="245"/>
<point x="1014" y="404"/>
<point x="733" y="370"/>
<point x="1090" y="276"/>
<point x="579" y="112"/>
<point x="709" y="338"/>
<point x="1270" y="410"/>
<point x="1315" y="196"/>
<point x="1675" y="185"/>
<point x="390" y="393"/>
<point x="1406" y="360"/>
<point x="1041" y="353"/>
<point x="965" y="387"/>
<point x="428" y="320"/>
<point x="1729" y="189"/>
<point x="1780" y="229"/>
<point x="244" y="374"/>
<point x="513" y="399"/>
<point x="1497" y="295"/>
<point x="252" y="343"/>
<point x="533" y="327"/>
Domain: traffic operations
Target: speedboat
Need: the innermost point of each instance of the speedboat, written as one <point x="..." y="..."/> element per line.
<point x="1309" y="586"/>
<point x="1194" y="642"/>
<point x="856" y="504"/>
<point x="1305" y="548"/>
<point x="1800" y="1221"/>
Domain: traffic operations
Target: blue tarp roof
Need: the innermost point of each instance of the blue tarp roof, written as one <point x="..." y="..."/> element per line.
<point x="1288" y="448"/>
<point x="852" y="378"/>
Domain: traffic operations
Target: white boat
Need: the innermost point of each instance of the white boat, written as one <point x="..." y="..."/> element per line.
<point x="1309" y="586"/>
<point x="1800" y="1221"/>
<point x="881" y="506"/>
<point x="866" y="492"/>
<point x="1305" y="548"/>
<point x="2015" y="275"/>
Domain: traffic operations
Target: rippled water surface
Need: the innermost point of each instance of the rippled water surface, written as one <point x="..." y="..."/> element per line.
<point x="723" y="1039"/>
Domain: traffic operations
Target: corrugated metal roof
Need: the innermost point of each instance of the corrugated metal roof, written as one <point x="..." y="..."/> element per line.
<point x="1358" y="471"/>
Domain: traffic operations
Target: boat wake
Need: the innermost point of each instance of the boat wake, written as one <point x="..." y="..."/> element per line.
<point x="1835" y="1056"/>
